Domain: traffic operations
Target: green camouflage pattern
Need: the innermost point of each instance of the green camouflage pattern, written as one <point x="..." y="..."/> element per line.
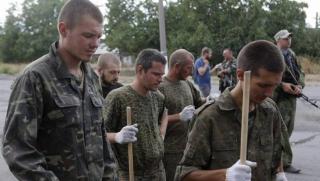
<point x="178" y="94"/>
<point x="214" y="141"/>
<point x="230" y="78"/>
<point x="53" y="131"/>
<point x="170" y="162"/>
<point x="151" y="175"/>
<point x="146" y="111"/>
<point x="287" y="102"/>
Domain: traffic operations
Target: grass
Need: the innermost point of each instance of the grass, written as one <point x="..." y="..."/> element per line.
<point x="11" y="69"/>
<point x="309" y="65"/>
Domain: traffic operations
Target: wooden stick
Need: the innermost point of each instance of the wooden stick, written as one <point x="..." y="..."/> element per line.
<point x="130" y="151"/>
<point x="245" y="114"/>
<point x="164" y="123"/>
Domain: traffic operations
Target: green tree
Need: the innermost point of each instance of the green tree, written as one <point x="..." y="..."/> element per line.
<point x="9" y="35"/>
<point x="131" y="26"/>
<point x="287" y="14"/>
<point x="28" y="35"/>
<point x="39" y="19"/>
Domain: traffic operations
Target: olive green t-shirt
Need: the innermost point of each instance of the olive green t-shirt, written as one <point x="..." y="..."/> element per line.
<point x="178" y="94"/>
<point x="146" y="112"/>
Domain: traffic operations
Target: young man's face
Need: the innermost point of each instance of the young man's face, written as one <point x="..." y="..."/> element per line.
<point x="110" y="73"/>
<point x="83" y="39"/>
<point x="262" y="85"/>
<point x="152" y="78"/>
<point x="186" y="70"/>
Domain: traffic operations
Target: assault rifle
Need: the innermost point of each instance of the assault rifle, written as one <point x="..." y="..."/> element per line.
<point x="311" y="101"/>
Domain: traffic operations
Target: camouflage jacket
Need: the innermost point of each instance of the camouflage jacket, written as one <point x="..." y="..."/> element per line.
<point x="178" y="95"/>
<point x="53" y="130"/>
<point x="214" y="141"/>
<point x="229" y="78"/>
<point x="146" y="111"/>
<point x="292" y="74"/>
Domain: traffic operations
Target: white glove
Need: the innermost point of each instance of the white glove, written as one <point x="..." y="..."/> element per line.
<point x="239" y="172"/>
<point x="127" y="134"/>
<point x="281" y="177"/>
<point x="187" y="113"/>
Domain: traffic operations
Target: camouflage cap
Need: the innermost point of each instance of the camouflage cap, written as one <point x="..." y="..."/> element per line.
<point x="282" y="34"/>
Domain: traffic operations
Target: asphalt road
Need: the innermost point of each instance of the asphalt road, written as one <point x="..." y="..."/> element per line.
<point x="305" y="138"/>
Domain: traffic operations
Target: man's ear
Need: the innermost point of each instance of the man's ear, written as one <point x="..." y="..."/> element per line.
<point x="240" y="74"/>
<point x="62" y="28"/>
<point x="99" y="71"/>
<point x="176" y="66"/>
<point x="139" y="69"/>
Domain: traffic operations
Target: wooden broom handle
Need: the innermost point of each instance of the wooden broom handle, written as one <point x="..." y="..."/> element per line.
<point x="130" y="151"/>
<point x="245" y="113"/>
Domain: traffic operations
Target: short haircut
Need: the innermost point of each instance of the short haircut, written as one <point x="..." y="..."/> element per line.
<point x="227" y="50"/>
<point x="205" y="50"/>
<point x="73" y="10"/>
<point x="261" y="54"/>
<point x="179" y="56"/>
<point x="105" y="59"/>
<point x="147" y="56"/>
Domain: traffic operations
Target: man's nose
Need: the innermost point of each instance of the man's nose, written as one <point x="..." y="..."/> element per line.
<point x="95" y="43"/>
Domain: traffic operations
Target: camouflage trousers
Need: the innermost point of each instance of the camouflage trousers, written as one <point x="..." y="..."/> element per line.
<point x="170" y="161"/>
<point x="143" y="175"/>
<point x="287" y="107"/>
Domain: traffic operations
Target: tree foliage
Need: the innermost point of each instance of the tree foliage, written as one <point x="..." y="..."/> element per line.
<point x="9" y="35"/>
<point x="27" y="36"/>
<point x="191" y="24"/>
<point x="132" y="26"/>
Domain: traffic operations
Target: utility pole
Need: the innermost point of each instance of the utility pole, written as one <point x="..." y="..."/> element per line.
<point x="317" y="20"/>
<point x="162" y="30"/>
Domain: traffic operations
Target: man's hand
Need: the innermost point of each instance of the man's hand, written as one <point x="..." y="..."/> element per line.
<point x="211" y="97"/>
<point x="281" y="177"/>
<point x="239" y="172"/>
<point x="291" y="89"/>
<point x="187" y="113"/>
<point x="205" y="61"/>
<point x="127" y="134"/>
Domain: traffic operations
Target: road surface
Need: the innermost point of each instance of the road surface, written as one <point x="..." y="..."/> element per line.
<point x="305" y="138"/>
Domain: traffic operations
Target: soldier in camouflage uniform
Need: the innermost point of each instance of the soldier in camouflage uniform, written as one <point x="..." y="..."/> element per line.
<point x="213" y="146"/>
<point x="108" y="69"/>
<point x="54" y="128"/>
<point x="147" y="105"/>
<point x="227" y="71"/>
<point x="181" y="99"/>
<point x="285" y="95"/>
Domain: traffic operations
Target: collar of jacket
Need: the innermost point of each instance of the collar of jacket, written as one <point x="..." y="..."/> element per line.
<point x="59" y="65"/>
